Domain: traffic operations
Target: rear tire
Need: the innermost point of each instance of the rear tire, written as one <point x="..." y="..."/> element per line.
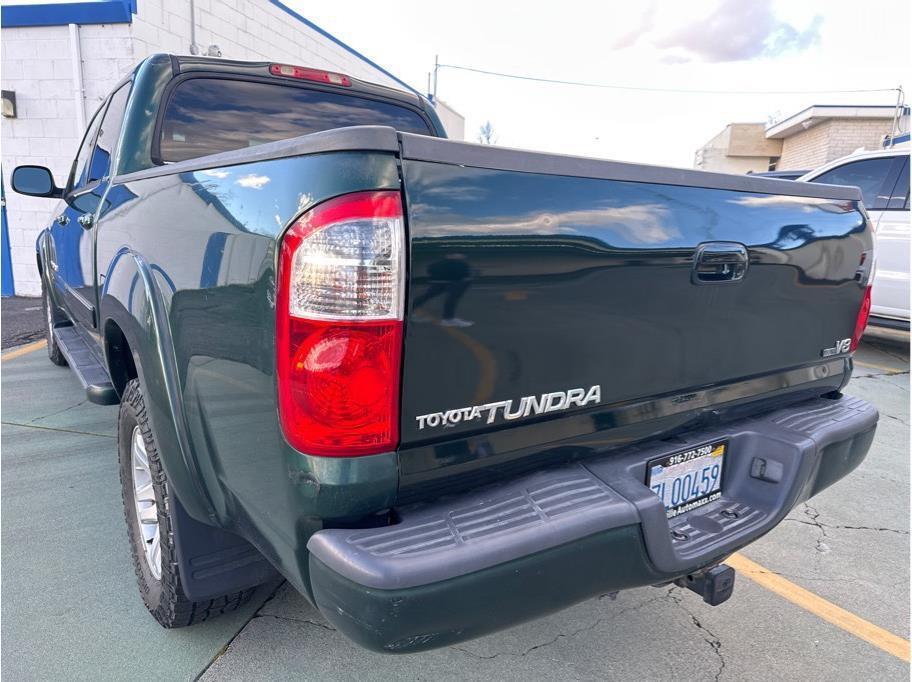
<point x="52" y="316"/>
<point x="146" y="496"/>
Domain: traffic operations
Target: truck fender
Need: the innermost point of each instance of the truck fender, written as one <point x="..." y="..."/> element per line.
<point x="131" y="299"/>
<point x="43" y="246"/>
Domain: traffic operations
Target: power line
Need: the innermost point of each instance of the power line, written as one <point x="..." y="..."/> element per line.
<point x="609" y="86"/>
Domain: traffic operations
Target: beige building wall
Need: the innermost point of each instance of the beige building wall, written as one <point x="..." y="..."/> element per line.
<point x="749" y="139"/>
<point x="830" y="140"/>
<point x="717" y="161"/>
<point x="740" y="148"/>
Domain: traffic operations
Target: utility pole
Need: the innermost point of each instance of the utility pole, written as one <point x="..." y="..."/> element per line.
<point x="897" y="113"/>
<point x="436" y="67"/>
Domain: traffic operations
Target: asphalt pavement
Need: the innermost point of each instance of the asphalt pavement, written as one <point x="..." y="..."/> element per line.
<point x="71" y="609"/>
<point x="22" y="320"/>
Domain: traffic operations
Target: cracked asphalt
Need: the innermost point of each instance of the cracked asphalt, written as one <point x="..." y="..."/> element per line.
<point x="70" y="606"/>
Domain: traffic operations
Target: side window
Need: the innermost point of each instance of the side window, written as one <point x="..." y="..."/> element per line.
<point x="108" y="135"/>
<point x="900" y="198"/>
<point x="867" y="174"/>
<point x="80" y="171"/>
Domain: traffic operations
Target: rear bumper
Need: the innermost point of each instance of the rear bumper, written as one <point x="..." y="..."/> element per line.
<point x="471" y="564"/>
<point x="888" y="322"/>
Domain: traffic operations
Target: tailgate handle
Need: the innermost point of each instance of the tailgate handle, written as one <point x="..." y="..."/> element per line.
<point x="719" y="262"/>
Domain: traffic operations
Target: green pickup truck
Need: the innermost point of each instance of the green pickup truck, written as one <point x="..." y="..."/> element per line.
<point x="441" y="388"/>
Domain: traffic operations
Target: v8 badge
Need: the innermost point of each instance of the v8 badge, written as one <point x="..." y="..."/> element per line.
<point x="842" y="346"/>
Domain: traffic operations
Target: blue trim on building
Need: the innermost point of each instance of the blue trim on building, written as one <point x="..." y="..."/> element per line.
<point x="7" y="262"/>
<point x="904" y="137"/>
<point x="338" y="42"/>
<point x="60" y="14"/>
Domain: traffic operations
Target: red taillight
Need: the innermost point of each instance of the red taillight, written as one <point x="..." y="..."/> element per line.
<point x="316" y="75"/>
<point x="339" y="326"/>
<point x="862" y="320"/>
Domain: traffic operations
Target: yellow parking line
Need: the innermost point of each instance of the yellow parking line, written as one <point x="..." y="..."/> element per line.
<point x="820" y="607"/>
<point x="23" y="350"/>
<point x="883" y="368"/>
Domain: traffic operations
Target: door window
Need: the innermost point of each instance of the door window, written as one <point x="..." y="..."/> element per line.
<point x="899" y="199"/>
<point x="108" y="135"/>
<point x="867" y="174"/>
<point x="80" y="170"/>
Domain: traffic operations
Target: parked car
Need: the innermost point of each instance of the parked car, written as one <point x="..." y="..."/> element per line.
<point x="780" y="174"/>
<point x="441" y="388"/>
<point x="883" y="177"/>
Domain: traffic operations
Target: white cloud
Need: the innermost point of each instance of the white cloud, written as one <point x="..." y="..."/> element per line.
<point x="726" y="31"/>
<point x="253" y="181"/>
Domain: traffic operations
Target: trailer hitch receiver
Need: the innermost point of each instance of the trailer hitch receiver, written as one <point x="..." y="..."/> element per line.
<point x="715" y="585"/>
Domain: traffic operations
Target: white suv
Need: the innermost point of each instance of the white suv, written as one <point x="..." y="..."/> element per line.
<point x="883" y="177"/>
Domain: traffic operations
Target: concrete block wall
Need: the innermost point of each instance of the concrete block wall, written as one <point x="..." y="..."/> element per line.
<point x="38" y="68"/>
<point x="830" y="140"/>
<point x="247" y="30"/>
<point x="847" y="136"/>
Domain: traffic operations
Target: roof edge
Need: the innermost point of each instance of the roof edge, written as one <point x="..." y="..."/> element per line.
<point x="61" y="14"/>
<point x="786" y="126"/>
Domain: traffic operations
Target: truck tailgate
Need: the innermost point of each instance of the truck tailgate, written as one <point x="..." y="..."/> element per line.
<point x="593" y="303"/>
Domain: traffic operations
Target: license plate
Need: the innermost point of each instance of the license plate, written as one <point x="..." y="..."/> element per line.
<point x="689" y="479"/>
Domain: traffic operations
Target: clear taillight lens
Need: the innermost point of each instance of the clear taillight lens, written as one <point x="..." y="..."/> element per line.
<point x="347" y="267"/>
<point x="339" y="326"/>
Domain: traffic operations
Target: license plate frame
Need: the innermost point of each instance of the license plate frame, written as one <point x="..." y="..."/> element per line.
<point x="692" y="471"/>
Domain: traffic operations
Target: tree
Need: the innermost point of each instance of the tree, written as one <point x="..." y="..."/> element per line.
<point x="486" y="134"/>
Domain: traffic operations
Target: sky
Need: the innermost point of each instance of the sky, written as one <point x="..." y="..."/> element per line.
<point x="727" y="46"/>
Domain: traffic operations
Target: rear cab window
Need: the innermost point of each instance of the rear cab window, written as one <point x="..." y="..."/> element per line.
<point x="210" y="115"/>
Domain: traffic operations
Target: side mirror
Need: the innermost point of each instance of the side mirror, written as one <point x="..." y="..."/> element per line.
<point x="35" y="181"/>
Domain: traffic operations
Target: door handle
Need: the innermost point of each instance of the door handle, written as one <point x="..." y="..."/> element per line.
<point x="86" y="220"/>
<point x="719" y="263"/>
<point x="63" y="219"/>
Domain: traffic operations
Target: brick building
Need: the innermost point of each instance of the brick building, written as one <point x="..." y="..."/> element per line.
<point x="61" y="60"/>
<point x="823" y="133"/>
<point x="805" y="140"/>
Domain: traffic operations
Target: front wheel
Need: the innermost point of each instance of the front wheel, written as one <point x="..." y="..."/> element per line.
<point x="152" y="534"/>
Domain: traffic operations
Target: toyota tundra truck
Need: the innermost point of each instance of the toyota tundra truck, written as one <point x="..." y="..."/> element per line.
<point x="440" y="388"/>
